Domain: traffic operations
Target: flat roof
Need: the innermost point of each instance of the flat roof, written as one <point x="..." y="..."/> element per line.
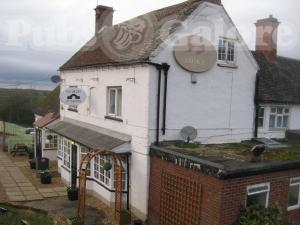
<point x="225" y="161"/>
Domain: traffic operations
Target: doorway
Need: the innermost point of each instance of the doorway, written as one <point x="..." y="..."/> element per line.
<point x="74" y="165"/>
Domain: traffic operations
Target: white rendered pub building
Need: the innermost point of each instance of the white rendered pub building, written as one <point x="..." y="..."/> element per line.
<point x="146" y="79"/>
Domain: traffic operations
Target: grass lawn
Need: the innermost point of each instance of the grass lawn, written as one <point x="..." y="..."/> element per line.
<point x="15" y="215"/>
<point x="17" y="135"/>
<point x="241" y="151"/>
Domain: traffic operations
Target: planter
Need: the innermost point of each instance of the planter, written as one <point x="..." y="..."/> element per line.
<point x="46" y="177"/>
<point x="125" y="217"/>
<point x="30" y="155"/>
<point x="32" y="164"/>
<point x="73" y="194"/>
<point x="74" y="221"/>
<point x="137" y="222"/>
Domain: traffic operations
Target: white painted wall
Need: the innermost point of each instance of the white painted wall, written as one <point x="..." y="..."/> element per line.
<point x="135" y="113"/>
<point x="221" y="105"/>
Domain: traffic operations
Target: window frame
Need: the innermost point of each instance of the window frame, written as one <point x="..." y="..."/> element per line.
<point x="259" y="192"/>
<point x="53" y="143"/>
<point x="226" y="49"/>
<point x="81" y="155"/>
<point x="279" y="115"/>
<point x="291" y="184"/>
<point x="67" y="153"/>
<point x="117" y="89"/>
<point x="259" y="117"/>
<point x="60" y="150"/>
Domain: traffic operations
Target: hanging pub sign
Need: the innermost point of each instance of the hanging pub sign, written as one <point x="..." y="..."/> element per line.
<point x="195" y="53"/>
<point x="73" y="96"/>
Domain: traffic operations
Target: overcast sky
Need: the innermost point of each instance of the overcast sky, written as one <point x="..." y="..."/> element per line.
<point x="38" y="36"/>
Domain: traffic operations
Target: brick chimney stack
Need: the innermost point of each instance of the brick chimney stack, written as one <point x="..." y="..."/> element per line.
<point x="266" y="37"/>
<point x="104" y="17"/>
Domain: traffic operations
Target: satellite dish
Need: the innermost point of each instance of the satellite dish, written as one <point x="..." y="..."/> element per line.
<point x="56" y="79"/>
<point x="189" y="133"/>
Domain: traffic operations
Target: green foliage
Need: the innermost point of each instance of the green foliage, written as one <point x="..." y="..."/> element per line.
<point x="17" y="105"/>
<point x="257" y="215"/>
<point x="182" y="144"/>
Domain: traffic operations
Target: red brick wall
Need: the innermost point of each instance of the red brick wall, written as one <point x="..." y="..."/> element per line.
<point x="234" y="194"/>
<point x="211" y="192"/>
<point x="221" y="200"/>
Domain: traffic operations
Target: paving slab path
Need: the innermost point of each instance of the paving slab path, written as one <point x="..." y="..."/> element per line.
<point x="16" y="187"/>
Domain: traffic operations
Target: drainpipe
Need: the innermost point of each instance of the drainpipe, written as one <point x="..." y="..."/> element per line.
<point x="256" y="103"/>
<point x="165" y="68"/>
<point x="159" y="68"/>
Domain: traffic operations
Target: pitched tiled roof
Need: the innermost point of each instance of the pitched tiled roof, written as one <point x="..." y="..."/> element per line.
<point x="48" y="118"/>
<point x="279" y="82"/>
<point x="134" y="40"/>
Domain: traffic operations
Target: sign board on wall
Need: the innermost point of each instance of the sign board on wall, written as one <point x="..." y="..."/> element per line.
<point x="73" y="96"/>
<point x="195" y="53"/>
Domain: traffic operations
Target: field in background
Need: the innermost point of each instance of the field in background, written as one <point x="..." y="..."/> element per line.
<point x="16" y="135"/>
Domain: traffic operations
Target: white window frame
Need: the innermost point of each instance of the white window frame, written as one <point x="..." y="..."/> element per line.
<point x="249" y="193"/>
<point x="261" y="117"/>
<point x="53" y="143"/>
<point x="99" y="174"/>
<point x="117" y="90"/>
<point x="60" y="150"/>
<point x="83" y="152"/>
<point x="67" y="145"/>
<point x="295" y="182"/>
<point x="278" y="115"/>
<point x="224" y="50"/>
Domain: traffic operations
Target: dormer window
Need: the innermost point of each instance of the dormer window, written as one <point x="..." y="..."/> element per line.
<point x="226" y="51"/>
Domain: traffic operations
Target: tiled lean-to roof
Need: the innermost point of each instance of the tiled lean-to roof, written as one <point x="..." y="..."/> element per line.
<point x="279" y="81"/>
<point x="131" y="41"/>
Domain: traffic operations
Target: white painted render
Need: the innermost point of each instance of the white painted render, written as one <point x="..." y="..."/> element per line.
<point x="220" y="105"/>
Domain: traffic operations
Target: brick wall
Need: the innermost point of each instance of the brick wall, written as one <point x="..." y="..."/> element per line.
<point x="211" y="189"/>
<point x="234" y="194"/>
<point x="221" y="200"/>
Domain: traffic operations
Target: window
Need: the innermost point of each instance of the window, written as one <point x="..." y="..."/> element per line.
<point x="279" y="117"/>
<point x="294" y="194"/>
<point x="51" y="141"/>
<point x="60" y="150"/>
<point x="83" y="152"/>
<point x="99" y="173"/>
<point x="261" y="117"/>
<point x="67" y="152"/>
<point x="93" y="101"/>
<point x="258" y="195"/>
<point x="226" y="51"/>
<point x="114" y="100"/>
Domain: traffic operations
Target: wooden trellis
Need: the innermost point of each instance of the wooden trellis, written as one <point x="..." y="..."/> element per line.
<point x="82" y="182"/>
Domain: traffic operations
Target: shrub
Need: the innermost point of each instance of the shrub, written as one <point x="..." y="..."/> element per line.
<point x="255" y="215"/>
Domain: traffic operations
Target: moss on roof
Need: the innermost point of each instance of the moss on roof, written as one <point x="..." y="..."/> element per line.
<point x="240" y="151"/>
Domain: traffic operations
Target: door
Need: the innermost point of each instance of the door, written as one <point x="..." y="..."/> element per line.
<point x="74" y="165"/>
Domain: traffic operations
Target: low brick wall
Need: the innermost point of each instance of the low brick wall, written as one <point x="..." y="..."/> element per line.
<point x="221" y="200"/>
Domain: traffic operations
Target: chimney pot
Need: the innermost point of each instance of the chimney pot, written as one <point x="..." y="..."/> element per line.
<point x="266" y="37"/>
<point x="104" y="17"/>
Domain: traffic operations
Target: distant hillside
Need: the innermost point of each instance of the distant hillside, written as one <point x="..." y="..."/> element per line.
<point x="18" y="104"/>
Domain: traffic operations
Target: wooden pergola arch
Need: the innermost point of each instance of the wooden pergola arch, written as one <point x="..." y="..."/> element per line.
<point x="82" y="181"/>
